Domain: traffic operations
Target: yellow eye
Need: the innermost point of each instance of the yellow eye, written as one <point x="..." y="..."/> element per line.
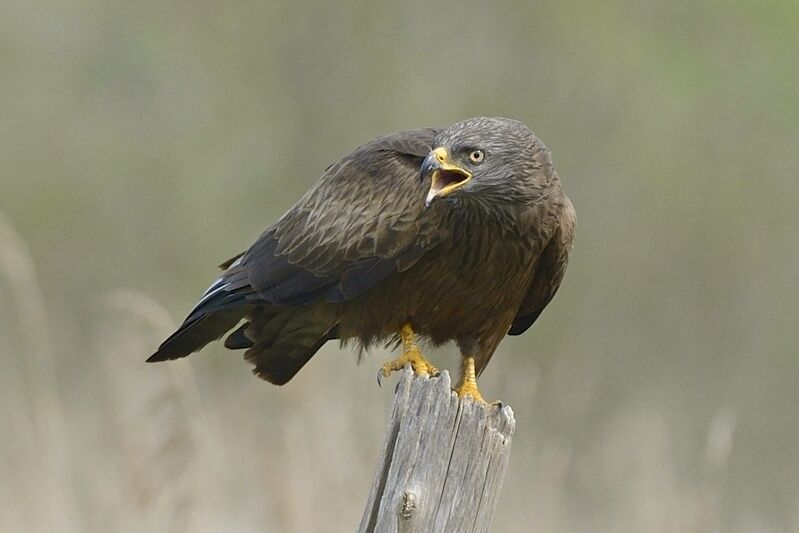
<point x="477" y="156"/>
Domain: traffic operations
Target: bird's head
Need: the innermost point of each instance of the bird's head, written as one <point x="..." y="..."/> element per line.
<point x="494" y="159"/>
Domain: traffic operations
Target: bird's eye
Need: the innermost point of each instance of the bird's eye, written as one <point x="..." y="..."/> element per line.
<point x="476" y="156"/>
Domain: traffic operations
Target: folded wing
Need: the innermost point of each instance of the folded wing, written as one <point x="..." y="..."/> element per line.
<point x="358" y="225"/>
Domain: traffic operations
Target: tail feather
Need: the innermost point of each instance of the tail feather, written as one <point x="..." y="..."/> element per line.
<point x="281" y="362"/>
<point x="196" y="332"/>
<point x="281" y="341"/>
<point x="238" y="340"/>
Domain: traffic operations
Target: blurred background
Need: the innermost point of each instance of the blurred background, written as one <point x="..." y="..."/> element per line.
<point x="141" y="144"/>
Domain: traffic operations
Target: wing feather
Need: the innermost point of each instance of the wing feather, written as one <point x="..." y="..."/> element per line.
<point x="549" y="272"/>
<point x="359" y="224"/>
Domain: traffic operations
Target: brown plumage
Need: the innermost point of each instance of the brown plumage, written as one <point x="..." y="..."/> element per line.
<point x="463" y="233"/>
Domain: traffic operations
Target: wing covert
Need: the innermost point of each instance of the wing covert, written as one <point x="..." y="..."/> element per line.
<point x="360" y="223"/>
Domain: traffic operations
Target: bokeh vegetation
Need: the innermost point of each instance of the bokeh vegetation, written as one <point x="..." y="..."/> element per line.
<point x="142" y="143"/>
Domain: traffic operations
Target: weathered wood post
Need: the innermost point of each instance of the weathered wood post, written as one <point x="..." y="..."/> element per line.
<point x="442" y="463"/>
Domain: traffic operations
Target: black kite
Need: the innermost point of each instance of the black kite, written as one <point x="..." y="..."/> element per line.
<point x="459" y="234"/>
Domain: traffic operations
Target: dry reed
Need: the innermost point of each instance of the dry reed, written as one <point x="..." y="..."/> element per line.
<point x="162" y="460"/>
<point x="52" y="465"/>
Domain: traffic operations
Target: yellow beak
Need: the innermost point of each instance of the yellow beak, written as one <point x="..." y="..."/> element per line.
<point x="446" y="176"/>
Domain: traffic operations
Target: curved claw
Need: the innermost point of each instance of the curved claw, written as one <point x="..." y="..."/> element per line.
<point x="419" y="365"/>
<point x="411" y="355"/>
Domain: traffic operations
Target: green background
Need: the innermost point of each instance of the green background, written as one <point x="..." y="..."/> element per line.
<point x="143" y="143"/>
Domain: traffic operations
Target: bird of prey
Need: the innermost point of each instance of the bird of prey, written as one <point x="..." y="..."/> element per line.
<point x="458" y="234"/>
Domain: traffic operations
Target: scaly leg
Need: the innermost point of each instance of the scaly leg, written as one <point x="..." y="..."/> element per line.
<point x="468" y="383"/>
<point x="410" y="354"/>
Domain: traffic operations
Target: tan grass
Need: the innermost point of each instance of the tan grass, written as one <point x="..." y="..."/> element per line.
<point x="55" y="508"/>
<point x="162" y="457"/>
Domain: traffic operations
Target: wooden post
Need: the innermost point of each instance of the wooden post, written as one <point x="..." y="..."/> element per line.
<point x="442" y="464"/>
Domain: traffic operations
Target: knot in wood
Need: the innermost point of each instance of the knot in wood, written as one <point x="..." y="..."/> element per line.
<point x="408" y="507"/>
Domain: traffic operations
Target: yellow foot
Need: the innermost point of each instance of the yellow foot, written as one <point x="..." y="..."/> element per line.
<point x="410" y="355"/>
<point x="468" y="382"/>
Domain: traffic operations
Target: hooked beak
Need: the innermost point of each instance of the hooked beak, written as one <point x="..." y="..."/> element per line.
<point x="446" y="177"/>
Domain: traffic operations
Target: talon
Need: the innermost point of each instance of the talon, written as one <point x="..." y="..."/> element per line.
<point x="411" y="355"/>
<point x="470" y="392"/>
<point x="468" y="383"/>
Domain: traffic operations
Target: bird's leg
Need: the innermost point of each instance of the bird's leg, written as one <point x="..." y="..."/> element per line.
<point x="410" y="354"/>
<point x="468" y="383"/>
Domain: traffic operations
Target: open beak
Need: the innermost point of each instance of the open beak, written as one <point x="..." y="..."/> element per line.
<point x="445" y="176"/>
